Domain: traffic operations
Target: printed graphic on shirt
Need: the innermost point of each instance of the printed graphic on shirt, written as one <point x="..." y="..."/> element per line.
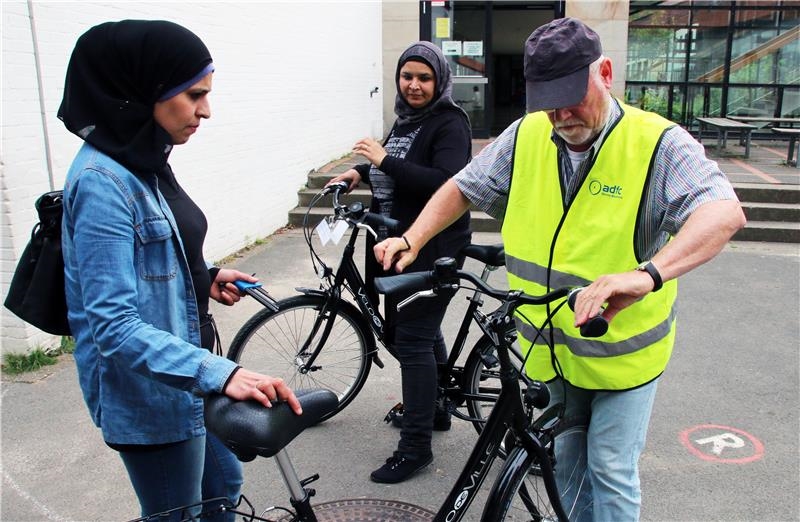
<point x="383" y="185"/>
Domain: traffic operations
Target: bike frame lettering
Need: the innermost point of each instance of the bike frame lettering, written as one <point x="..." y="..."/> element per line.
<point x="475" y="479"/>
<point x="366" y="306"/>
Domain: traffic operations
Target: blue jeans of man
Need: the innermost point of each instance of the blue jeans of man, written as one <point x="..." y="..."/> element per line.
<point x="184" y="473"/>
<point x="609" y="452"/>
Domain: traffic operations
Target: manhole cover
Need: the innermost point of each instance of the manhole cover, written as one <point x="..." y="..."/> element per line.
<point x="370" y="510"/>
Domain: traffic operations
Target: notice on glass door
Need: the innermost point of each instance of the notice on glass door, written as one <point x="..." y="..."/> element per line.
<point x="473" y="48"/>
<point x="442" y="28"/>
<point x="451" y="48"/>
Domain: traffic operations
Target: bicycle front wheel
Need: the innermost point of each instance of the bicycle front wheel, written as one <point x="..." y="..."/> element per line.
<point x="282" y="343"/>
<point x="481" y="382"/>
<point x="522" y="492"/>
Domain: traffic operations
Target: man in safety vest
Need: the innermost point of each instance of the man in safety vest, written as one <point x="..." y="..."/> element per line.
<point x="592" y="192"/>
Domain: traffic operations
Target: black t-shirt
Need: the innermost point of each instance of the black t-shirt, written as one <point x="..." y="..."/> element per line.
<point x="192" y="227"/>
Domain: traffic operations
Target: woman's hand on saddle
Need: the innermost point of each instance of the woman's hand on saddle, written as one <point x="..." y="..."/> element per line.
<point x="248" y="385"/>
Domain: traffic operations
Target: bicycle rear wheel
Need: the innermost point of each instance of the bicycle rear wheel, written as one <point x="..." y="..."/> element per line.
<point x="273" y="343"/>
<point x="523" y="492"/>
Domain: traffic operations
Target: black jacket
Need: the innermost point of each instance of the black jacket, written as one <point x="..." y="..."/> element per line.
<point x="442" y="148"/>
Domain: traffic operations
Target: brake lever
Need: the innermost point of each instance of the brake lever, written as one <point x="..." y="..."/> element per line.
<point x="413" y="297"/>
<point x="364" y="226"/>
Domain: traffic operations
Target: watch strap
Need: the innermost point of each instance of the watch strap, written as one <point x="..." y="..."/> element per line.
<point x="651" y="269"/>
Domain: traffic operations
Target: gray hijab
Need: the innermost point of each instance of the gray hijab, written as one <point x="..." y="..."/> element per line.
<point x="432" y="56"/>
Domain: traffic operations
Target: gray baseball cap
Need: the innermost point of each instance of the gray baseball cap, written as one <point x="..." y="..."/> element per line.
<point x="557" y="59"/>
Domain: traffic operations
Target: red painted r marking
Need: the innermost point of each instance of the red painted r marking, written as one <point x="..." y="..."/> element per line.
<point x="716" y="443"/>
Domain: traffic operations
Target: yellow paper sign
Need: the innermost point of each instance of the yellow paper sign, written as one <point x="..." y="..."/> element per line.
<point x="442" y="28"/>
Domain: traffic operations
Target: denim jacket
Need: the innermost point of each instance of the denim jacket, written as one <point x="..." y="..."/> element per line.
<point x="132" y="307"/>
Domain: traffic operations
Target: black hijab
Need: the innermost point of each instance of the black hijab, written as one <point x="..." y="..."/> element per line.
<point x="117" y="72"/>
<point x="432" y="56"/>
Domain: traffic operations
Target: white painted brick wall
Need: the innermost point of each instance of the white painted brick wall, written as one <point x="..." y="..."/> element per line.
<point x="291" y="92"/>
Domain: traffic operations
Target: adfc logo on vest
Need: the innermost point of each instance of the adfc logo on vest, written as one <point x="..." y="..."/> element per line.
<point x="598" y="188"/>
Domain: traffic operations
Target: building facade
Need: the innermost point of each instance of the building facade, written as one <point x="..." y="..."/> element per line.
<point x="680" y="58"/>
<point x="297" y="83"/>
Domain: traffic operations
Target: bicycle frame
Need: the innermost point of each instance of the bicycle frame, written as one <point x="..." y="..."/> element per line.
<point x="347" y="275"/>
<point x="508" y="406"/>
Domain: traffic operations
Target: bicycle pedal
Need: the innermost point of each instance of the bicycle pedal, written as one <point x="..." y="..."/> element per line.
<point x="393" y="412"/>
<point x="489" y="360"/>
<point x="308" y="480"/>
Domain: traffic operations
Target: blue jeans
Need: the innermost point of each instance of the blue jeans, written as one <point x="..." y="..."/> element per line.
<point x="609" y="451"/>
<point x="183" y="474"/>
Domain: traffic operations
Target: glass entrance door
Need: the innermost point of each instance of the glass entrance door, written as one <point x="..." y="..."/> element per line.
<point x="460" y="29"/>
<point x="483" y="42"/>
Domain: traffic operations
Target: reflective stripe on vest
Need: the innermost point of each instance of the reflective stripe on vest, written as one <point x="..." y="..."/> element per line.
<point x="594" y="235"/>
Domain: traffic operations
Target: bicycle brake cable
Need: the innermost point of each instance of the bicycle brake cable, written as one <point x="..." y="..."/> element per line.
<point x="308" y="232"/>
<point x="540" y="334"/>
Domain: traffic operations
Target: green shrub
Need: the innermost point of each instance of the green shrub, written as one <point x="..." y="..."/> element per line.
<point x="16" y="363"/>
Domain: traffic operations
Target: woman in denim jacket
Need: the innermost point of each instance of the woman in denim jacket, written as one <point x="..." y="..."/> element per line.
<point x="137" y="286"/>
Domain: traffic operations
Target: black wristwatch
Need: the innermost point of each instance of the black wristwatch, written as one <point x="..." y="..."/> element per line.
<point x="651" y="269"/>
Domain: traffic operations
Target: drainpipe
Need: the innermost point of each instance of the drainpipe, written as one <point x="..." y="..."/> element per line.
<point x="42" y="111"/>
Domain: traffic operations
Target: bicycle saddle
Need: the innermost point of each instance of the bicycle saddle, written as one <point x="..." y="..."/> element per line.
<point x="492" y="255"/>
<point x="249" y="429"/>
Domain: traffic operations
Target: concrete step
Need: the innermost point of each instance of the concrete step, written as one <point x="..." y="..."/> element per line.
<point x="479" y="220"/>
<point x="769" y="231"/>
<point x="304" y="197"/>
<point x="759" y="211"/>
<point x="767" y="193"/>
<point x="773" y="211"/>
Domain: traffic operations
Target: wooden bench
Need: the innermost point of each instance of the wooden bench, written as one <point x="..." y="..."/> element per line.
<point x="791" y="122"/>
<point x="722" y="126"/>
<point x="794" y="135"/>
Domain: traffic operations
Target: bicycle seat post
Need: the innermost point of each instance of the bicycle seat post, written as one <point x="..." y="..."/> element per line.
<point x="290" y="478"/>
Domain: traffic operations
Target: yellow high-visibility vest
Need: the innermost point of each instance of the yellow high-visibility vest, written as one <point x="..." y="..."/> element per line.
<point x="549" y="245"/>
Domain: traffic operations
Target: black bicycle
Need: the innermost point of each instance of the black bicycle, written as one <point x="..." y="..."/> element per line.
<point x="526" y="487"/>
<point x="328" y="337"/>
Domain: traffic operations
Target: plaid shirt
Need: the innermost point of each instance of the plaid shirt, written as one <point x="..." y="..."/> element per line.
<point x="682" y="180"/>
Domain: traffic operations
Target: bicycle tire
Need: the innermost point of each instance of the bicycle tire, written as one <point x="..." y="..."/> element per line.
<point x="270" y="343"/>
<point x="521" y="489"/>
<point x="481" y="378"/>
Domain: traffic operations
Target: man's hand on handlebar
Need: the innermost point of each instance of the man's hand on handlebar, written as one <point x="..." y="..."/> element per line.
<point x="248" y="385"/>
<point x="614" y="291"/>
<point x="395" y="251"/>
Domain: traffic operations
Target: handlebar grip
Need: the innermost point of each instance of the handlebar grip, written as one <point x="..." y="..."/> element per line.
<point x="339" y="186"/>
<point x="244" y="286"/>
<point x="597" y="326"/>
<point x="412" y="282"/>
<point x="376" y="220"/>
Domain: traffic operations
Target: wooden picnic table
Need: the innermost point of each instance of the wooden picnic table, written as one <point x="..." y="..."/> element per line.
<point x="724" y="125"/>
<point x="794" y="135"/>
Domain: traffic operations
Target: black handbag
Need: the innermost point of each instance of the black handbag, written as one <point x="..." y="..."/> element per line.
<point x="36" y="294"/>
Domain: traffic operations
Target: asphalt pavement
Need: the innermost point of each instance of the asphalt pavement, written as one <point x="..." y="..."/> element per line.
<point x="723" y="441"/>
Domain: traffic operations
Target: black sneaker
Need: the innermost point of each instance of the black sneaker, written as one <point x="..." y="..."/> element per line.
<point x="398" y="468"/>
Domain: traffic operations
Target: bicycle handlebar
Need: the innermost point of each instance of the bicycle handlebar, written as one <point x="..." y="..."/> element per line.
<point x="356" y="211"/>
<point x="445" y="275"/>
